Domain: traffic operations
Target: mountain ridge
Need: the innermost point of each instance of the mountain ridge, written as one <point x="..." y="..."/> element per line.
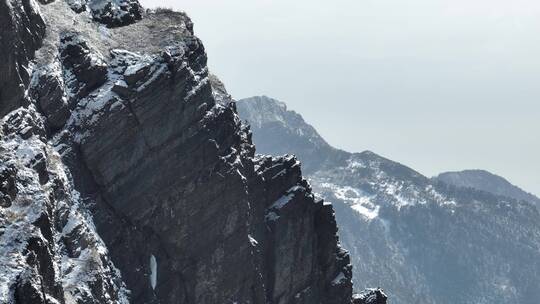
<point x="423" y="240"/>
<point x="486" y="181"/>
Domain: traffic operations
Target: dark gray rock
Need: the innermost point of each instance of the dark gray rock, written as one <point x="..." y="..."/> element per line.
<point x="115" y="13"/>
<point x="8" y="188"/>
<point x="85" y="69"/>
<point x="112" y="13"/>
<point x="52" y="100"/>
<point x="295" y="219"/>
<point x="25" y="122"/>
<point x="21" y="32"/>
<point x="78" y="6"/>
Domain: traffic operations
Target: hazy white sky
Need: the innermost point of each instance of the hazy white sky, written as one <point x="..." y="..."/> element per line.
<point x="436" y="85"/>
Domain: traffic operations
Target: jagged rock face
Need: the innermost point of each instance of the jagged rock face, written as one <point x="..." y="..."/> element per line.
<point x="295" y="219"/>
<point x="149" y="184"/>
<point x="485" y="181"/>
<point x="50" y="251"/>
<point x="423" y="241"/>
<point x="85" y="69"/>
<point x="370" y="296"/>
<point x="21" y="31"/>
<point x="113" y="13"/>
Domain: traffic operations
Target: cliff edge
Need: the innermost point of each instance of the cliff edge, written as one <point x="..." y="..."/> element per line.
<point x="127" y="176"/>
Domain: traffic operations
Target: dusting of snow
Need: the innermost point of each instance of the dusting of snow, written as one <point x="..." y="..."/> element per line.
<point x="25" y="210"/>
<point x="272" y="213"/>
<point x="355" y="164"/>
<point x="75" y="269"/>
<point x="279" y="174"/>
<point x="356" y="199"/>
<point x="252" y="241"/>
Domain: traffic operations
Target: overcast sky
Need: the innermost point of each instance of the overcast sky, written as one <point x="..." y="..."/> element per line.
<point x="436" y="85"/>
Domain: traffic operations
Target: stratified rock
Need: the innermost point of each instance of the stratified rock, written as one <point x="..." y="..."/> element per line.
<point x="21" y="31"/>
<point x="52" y="100"/>
<point x="130" y="155"/>
<point x="295" y="219"/>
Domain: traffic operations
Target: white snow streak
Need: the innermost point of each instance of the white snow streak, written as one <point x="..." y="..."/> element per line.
<point x="153" y="271"/>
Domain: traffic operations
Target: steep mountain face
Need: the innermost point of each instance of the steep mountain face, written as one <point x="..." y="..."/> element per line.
<point x="488" y="182"/>
<point x="424" y="241"/>
<point x="127" y="176"/>
<point x="285" y="131"/>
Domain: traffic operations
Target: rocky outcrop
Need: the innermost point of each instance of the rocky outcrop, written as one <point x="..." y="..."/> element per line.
<point x="21" y="31"/>
<point x="144" y="182"/>
<point x="294" y="218"/>
<point x="112" y="13"/>
<point x="84" y="68"/>
<point x="116" y="12"/>
<point x="370" y="296"/>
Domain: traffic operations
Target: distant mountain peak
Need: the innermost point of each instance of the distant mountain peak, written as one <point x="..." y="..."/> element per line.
<point x="284" y="129"/>
<point x="486" y="181"/>
<point x="263" y="109"/>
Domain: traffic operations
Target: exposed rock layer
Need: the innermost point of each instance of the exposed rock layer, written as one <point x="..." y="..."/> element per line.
<point x="127" y="168"/>
<point x="21" y="31"/>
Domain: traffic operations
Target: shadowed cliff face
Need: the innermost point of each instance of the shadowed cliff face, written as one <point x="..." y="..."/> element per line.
<point x="162" y="198"/>
<point x="424" y="241"/>
<point x="21" y="31"/>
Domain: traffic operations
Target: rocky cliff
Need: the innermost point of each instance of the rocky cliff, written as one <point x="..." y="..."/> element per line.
<point x="424" y="241"/>
<point x="127" y="176"/>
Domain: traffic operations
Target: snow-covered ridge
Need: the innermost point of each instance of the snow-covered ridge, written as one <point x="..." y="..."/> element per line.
<point x="367" y="183"/>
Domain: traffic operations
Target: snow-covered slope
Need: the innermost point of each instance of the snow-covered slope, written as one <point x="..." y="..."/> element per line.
<point x="422" y="240"/>
<point x="489" y="182"/>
